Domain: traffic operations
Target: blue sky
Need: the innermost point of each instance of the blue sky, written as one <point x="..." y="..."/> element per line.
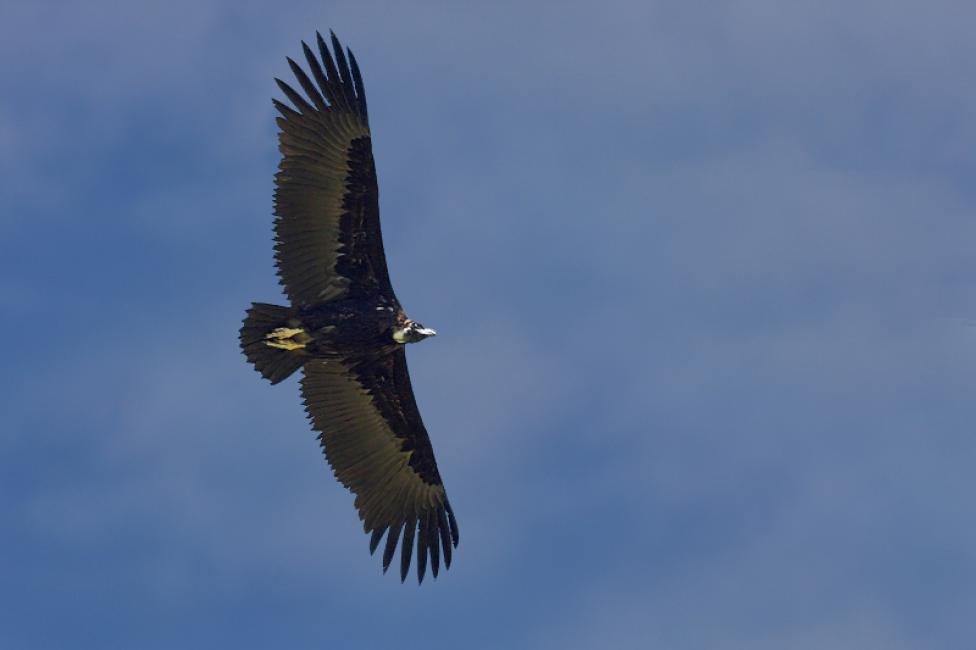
<point x="704" y="281"/>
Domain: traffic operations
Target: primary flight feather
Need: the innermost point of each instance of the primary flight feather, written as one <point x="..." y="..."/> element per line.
<point x="345" y="327"/>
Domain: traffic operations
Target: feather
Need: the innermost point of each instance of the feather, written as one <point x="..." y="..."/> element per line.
<point x="320" y="77"/>
<point x="406" y="547"/>
<point x="295" y="98"/>
<point x="422" y="543"/>
<point x="391" y="544"/>
<point x="307" y="85"/>
<point x="333" y="74"/>
<point x="374" y="541"/>
<point x="357" y="78"/>
<point x="445" y="537"/>
<point x="340" y="59"/>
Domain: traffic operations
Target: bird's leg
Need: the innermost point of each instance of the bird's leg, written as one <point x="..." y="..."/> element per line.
<point x="287" y="338"/>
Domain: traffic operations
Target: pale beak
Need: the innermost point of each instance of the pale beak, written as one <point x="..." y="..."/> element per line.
<point x="426" y="331"/>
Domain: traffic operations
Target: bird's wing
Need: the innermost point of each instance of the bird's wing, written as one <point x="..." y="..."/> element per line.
<point x="327" y="228"/>
<point x="376" y="443"/>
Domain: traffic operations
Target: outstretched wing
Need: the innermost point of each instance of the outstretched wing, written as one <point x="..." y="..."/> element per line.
<point x="327" y="228"/>
<point x="377" y="445"/>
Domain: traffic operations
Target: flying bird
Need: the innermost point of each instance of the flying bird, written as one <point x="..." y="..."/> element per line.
<point x="345" y="328"/>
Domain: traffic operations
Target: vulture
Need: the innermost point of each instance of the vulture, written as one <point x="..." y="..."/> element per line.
<point x="344" y="327"/>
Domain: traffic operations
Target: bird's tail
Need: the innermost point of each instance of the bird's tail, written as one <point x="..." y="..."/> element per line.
<point x="273" y="341"/>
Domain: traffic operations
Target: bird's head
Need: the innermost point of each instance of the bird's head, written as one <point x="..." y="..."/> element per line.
<point x="411" y="332"/>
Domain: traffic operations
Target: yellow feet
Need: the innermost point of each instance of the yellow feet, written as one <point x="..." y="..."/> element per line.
<point x="287" y="338"/>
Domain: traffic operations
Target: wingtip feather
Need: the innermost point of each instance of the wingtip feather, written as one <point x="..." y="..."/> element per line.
<point x="406" y="548"/>
<point x="374" y="540"/>
<point x="423" y="534"/>
<point x="455" y="534"/>
<point x="391" y="544"/>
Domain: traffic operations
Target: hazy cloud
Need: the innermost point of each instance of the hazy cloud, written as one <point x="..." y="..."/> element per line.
<point x="703" y="275"/>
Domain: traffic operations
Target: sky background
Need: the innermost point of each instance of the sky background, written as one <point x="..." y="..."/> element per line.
<point x="705" y="284"/>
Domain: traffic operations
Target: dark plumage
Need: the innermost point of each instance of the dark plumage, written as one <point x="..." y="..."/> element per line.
<point x="345" y="328"/>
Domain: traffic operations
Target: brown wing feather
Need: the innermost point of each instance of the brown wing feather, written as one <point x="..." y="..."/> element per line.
<point x="327" y="230"/>
<point x="377" y="445"/>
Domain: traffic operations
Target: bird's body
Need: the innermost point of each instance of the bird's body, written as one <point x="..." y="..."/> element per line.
<point x="345" y="327"/>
